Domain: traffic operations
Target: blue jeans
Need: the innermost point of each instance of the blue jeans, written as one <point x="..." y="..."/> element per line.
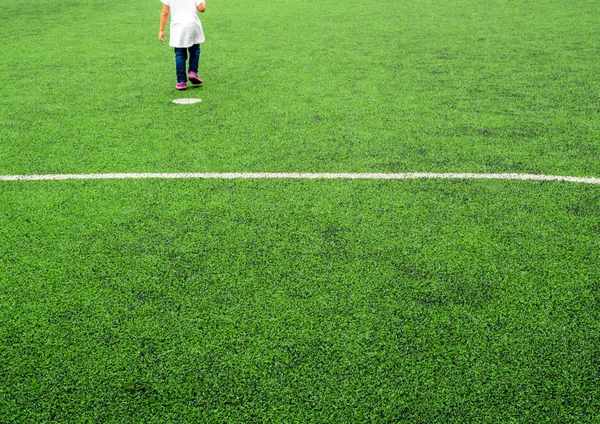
<point x="181" y="57"/>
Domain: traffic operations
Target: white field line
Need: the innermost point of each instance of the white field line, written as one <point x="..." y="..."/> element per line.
<point x="311" y="176"/>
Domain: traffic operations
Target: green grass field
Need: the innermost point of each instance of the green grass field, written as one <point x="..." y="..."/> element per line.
<point x="325" y="301"/>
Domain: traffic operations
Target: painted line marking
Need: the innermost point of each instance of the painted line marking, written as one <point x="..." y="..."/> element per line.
<point x="187" y="101"/>
<point x="311" y="176"/>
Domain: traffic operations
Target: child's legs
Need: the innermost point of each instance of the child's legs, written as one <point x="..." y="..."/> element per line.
<point x="194" y="57"/>
<point x="180" y="62"/>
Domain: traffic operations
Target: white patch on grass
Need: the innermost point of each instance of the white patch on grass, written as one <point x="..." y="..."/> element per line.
<point x="187" y="101"/>
<point x="311" y="176"/>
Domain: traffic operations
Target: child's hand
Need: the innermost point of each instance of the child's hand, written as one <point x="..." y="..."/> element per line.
<point x="164" y="15"/>
<point x="202" y="7"/>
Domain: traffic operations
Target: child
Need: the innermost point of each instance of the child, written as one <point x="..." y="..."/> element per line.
<point x="185" y="36"/>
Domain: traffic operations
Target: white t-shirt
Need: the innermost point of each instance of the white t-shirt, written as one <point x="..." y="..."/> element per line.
<point x="185" y="28"/>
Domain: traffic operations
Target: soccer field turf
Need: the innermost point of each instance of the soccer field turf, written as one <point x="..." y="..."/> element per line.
<point x="273" y="300"/>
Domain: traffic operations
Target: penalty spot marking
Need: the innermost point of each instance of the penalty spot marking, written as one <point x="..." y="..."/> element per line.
<point x="187" y="101"/>
<point x="306" y="176"/>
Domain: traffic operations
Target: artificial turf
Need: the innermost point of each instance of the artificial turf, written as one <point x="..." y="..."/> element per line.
<point x="301" y="301"/>
<point x="344" y="301"/>
<point x="353" y="86"/>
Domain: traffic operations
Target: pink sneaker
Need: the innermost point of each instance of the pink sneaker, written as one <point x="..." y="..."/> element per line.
<point x="194" y="78"/>
<point x="181" y="86"/>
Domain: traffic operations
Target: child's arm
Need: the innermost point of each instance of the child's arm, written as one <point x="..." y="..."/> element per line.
<point x="164" y="15"/>
<point x="202" y="7"/>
